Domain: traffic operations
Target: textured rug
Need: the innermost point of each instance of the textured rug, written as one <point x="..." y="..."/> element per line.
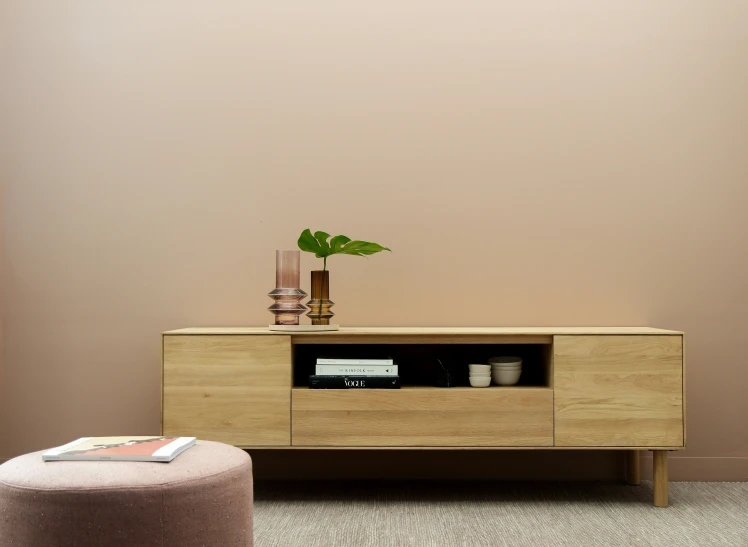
<point x="382" y="514"/>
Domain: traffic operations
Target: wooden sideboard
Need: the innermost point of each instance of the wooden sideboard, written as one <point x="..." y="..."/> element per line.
<point x="605" y="388"/>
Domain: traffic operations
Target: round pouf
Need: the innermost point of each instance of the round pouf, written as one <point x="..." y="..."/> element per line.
<point x="203" y="498"/>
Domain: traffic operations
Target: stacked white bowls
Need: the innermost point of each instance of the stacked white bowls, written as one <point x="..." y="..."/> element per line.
<point x="505" y="371"/>
<point x="480" y="375"/>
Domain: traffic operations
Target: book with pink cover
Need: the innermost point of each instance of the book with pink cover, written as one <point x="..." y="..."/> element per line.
<point x="138" y="449"/>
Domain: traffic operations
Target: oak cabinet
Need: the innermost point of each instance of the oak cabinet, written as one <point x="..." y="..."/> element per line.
<point x="587" y="388"/>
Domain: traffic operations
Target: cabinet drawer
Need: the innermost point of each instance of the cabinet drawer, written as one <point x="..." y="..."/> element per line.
<point x="494" y="416"/>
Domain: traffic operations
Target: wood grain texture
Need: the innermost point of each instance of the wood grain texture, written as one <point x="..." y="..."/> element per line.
<point x="425" y="339"/>
<point x="423" y="417"/>
<point x="659" y="474"/>
<point x="618" y="391"/>
<point x="161" y="391"/>
<point x="633" y="468"/>
<point x="233" y="415"/>
<point x="232" y="389"/>
<point x="466" y="448"/>
<point x="685" y="420"/>
<point x="443" y="331"/>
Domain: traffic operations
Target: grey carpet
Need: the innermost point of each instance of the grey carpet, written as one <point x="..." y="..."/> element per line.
<point x="474" y="514"/>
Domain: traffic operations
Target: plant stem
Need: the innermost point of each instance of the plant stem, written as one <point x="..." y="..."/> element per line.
<point x="324" y="268"/>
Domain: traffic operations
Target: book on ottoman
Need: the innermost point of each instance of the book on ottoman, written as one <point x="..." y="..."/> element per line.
<point x="138" y="449"/>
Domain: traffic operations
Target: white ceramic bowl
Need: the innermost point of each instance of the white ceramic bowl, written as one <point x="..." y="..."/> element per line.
<point x="480" y="368"/>
<point x="480" y="381"/>
<point x="506" y="368"/>
<point x="506" y="377"/>
<point x="480" y="374"/>
<point x="505" y="360"/>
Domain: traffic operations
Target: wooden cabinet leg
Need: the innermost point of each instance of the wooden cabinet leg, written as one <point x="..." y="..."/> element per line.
<point x="660" y="477"/>
<point x="633" y="471"/>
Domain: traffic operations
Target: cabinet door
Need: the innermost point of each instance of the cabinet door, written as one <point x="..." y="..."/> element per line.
<point x="229" y="388"/>
<point x="618" y="391"/>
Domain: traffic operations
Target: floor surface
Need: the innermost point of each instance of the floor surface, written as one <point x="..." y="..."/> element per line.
<point x="447" y="513"/>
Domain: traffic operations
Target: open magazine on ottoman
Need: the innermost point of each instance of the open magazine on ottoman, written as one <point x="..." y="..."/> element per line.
<point x="138" y="449"/>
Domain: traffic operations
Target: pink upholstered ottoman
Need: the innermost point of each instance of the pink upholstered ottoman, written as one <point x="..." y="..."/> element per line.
<point x="201" y="499"/>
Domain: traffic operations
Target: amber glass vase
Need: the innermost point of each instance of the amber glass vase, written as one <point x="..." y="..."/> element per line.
<point x="320" y="303"/>
<point x="287" y="294"/>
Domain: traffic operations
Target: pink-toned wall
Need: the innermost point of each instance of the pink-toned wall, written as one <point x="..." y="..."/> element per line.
<point x="530" y="163"/>
<point x="3" y="396"/>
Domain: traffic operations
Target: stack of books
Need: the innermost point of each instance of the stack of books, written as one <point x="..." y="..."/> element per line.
<point x="334" y="373"/>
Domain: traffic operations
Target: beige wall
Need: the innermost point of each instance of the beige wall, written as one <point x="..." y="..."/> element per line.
<point x="530" y="163"/>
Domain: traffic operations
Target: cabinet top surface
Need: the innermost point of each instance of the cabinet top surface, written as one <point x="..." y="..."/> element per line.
<point x="431" y="331"/>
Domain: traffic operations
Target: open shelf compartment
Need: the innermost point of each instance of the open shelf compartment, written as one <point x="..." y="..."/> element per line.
<point x="419" y="364"/>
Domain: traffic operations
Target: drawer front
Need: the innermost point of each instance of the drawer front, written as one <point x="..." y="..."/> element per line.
<point x="423" y="417"/>
<point x="233" y="389"/>
<point x="618" y="390"/>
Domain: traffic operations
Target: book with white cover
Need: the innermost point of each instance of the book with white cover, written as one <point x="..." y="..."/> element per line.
<point x="356" y="370"/>
<point x="336" y="361"/>
<point x="139" y="449"/>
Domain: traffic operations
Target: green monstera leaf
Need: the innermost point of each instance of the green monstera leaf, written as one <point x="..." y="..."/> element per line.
<point x="317" y="243"/>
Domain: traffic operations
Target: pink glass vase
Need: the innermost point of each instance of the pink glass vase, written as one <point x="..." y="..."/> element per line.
<point x="287" y="294"/>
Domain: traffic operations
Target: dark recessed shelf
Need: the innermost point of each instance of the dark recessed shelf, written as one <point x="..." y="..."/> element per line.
<point x="418" y="364"/>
